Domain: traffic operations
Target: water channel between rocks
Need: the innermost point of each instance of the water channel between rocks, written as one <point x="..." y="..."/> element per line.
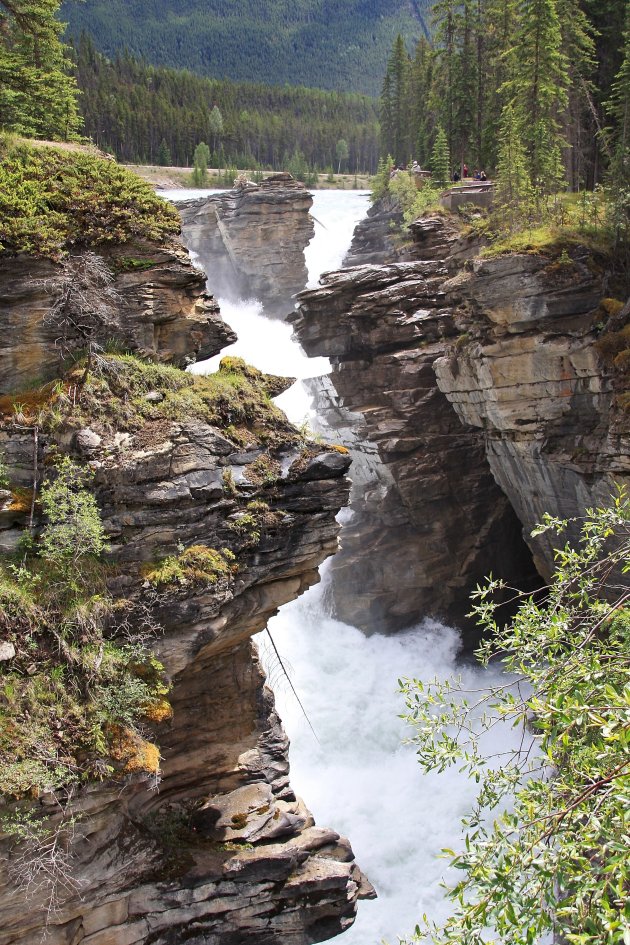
<point x="358" y="777"/>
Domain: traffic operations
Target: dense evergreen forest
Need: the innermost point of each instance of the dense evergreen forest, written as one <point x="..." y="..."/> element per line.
<point x="318" y="43"/>
<point x="545" y="72"/>
<point x="147" y="114"/>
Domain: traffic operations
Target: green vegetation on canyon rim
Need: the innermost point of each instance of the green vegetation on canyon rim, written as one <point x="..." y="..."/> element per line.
<point x="546" y="843"/>
<point x="81" y="681"/>
<point x="53" y="200"/>
<point x="549" y="117"/>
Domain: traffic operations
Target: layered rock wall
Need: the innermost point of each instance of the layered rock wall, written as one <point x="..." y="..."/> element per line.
<point x="428" y="520"/>
<point x="163" y="311"/>
<point x="251" y="240"/>
<point x="221" y="851"/>
<point x="476" y="396"/>
<point x="529" y="371"/>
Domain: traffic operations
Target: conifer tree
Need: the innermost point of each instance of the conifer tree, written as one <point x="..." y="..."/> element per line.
<point x="395" y="104"/>
<point x="513" y="194"/>
<point x="578" y="47"/>
<point x="420" y="112"/>
<point x="38" y="94"/>
<point x="440" y="159"/>
<point x="164" y="158"/>
<point x="445" y="22"/>
<point x="538" y="91"/>
<point x="619" y="109"/>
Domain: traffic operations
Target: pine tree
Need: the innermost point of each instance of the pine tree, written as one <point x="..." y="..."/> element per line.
<point x="440" y="159"/>
<point x="513" y="192"/>
<point x="419" y="96"/>
<point x="38" y="94"/>
<point x="396" y="138"/>
<point x="619" y="109"/>
<point x="445" y="22"/>
<point x="578" y="46"/>
<point x="164" y="158"/>
<point x="538" y="91"/>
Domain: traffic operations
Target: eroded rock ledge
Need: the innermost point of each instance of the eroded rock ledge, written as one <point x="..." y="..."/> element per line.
<point x="223" y="852"/>
<point x="164" y="311"/>
<point x="251" y="240"/>
<point x="535" y="370"/>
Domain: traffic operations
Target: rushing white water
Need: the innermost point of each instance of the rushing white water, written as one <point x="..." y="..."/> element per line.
<point x="268" y="343"/>
<point x="358" y="778"/>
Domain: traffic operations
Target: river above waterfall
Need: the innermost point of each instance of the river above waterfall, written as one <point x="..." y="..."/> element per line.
<point x="357" y="776"/>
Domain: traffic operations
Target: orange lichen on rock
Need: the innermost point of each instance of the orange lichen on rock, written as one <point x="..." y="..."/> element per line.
<point x="134" y="753"/>
<point x="21" y="500"/>
<point x="611" y="306"/>
<point x="340" y="448"/>
<point x="159" y="711"/>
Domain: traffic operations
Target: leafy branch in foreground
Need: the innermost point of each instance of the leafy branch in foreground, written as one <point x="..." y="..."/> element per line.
<point x="546" y="845"/>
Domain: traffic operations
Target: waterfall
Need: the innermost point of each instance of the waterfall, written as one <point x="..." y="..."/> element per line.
<point x="358" y="777"/>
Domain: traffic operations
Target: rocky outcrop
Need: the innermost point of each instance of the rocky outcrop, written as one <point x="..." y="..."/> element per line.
<point x="476" y="395"/>
<point x="530" y="370"/>
<point x="222" y="851"/>
<point x="251" y="240"/>
<point x="373" y="239"/>
<point x="162" y="865"/>
<point x="162" y="311"/>
<point x="427" y="519"/>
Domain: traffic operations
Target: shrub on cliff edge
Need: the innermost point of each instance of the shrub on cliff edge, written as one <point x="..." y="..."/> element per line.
<point x="556" y="860"/>
<point x="52" y="200"/>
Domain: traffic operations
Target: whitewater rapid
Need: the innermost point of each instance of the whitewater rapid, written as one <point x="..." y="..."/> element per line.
<point x="358" y="777"/>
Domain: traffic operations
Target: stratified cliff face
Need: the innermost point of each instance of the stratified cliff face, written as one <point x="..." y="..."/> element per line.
<point x="223" y="852"/>
<point x="163" y="311"/>
<point x="473" y="403"/>
<point x="251" y="240"/>
<point x="530" y="370"/>
<point x="428" y="520"/>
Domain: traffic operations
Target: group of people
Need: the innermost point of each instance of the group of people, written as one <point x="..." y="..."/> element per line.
<point x="477" y="175"/>
<point x="414" y="167"/>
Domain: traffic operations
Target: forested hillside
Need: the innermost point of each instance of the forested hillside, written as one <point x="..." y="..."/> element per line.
<point x="147" y="114"/>
<point x="319" y="43"/>
<point x="548" y="69"/>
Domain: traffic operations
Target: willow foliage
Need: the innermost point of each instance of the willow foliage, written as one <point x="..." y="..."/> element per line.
<point x="546" y="846"/>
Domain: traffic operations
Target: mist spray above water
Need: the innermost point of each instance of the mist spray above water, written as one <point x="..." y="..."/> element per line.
<point x="359" y="778"/>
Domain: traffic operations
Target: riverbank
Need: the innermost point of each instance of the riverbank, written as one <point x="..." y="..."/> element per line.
<point x="171" y="177"/>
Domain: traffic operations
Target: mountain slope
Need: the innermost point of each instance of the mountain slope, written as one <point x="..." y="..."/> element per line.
<point x="321" y="43"/>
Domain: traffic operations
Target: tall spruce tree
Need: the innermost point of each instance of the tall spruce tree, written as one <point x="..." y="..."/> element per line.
<point x="538" y="91"/>
<point x="514" y="193"/>
<point x="396" y="136"/>
<point x="38" y="94"/>
<point x="619" y="109"/>
<point x="440" y="159"/>
<point x="420" y="112"/>
<point x="578" y="46"/>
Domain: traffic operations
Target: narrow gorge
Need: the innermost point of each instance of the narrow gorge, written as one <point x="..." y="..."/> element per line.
<point x="467" y="396"/>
